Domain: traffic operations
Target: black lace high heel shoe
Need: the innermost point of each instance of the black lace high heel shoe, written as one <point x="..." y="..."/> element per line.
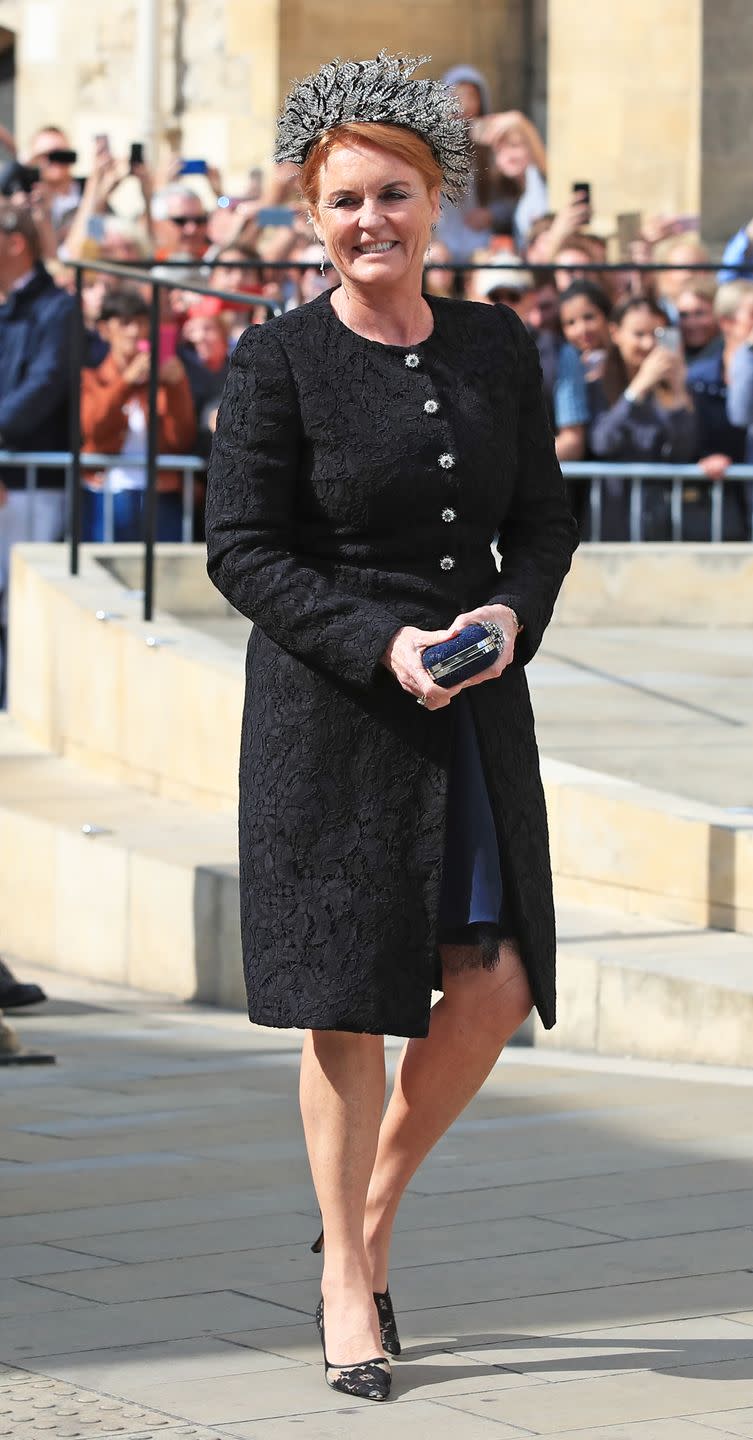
<point x="370" y="1380"/>
<point x="383" y="1301"/>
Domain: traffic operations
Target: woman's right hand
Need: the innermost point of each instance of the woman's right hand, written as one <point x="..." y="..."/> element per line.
<point x="403" y="658"/>
<point x="660" y="367"/>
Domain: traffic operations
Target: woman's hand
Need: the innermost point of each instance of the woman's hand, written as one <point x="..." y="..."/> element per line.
<point x="715" y="467"/>
<point x="403" y="658"/>
<point x="658" y="368"/>
<point x="403" y="654"/>
<point x="507" y="621"/>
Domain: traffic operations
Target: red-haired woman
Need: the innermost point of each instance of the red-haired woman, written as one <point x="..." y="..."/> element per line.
<point x="369" y="447"/>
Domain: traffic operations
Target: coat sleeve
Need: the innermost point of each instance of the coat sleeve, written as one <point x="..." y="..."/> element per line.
<point x="179" y="417"/>
<point x="537" y="535"/>
<point x="256" y="460"/>
<point x="740" y="388"/>
<point x="102" y="420"/>
<point x="24" y="409"/>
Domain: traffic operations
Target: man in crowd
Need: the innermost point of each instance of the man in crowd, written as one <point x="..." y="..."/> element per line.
<point x="36" y="323"/>
<point x="59" y="186"/>
<point x="181" y="223"/>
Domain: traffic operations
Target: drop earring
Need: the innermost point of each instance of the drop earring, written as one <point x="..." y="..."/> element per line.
<point x="428" y="248"/>
<point x="323" y="260"/>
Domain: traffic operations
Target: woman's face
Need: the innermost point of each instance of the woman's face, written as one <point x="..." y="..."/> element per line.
<point x="584" y="325"/>
<point x="374" y="215"/>
<point x="512" y="155"/>
<point x="635" y="337"/>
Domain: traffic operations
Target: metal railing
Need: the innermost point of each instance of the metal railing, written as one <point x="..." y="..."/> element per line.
<point x="75" y="464"/>
<point x="677" y="477"/>
<point x="32" y="461"/>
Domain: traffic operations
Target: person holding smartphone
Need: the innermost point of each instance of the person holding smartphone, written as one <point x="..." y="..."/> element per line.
<point x="51" y="152"/>
<point x="114" y="413"/>
<point x="642" y="410"/>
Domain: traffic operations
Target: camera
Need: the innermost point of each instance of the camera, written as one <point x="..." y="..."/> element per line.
<point x="15" y="178"/>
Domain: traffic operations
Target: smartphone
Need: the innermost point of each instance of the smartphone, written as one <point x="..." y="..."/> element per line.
<point x="276" y="215"/>
<point x="193" y="167"/>
<point x="102" y="144"/>
<point x="137" y="153"/>
<point x="168" y="341"/>
<point x="582" y="190"/>
<point x="670" y="338"/>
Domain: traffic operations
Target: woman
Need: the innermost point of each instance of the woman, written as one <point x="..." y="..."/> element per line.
<point x="642" y="410"/>
<point x="584" y="322"/>
<point x="520" y="165"/>
<point x="368" y="447"/>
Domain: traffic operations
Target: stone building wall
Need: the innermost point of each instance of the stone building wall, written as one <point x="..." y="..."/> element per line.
<point x="624" y="83"/>
<point x="227" y="63"/>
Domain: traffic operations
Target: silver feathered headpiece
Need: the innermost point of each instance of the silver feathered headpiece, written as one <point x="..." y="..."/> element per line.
<point x="381" y="90"/>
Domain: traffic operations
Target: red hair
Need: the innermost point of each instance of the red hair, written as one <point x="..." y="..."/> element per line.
<point x="396" y="139"/>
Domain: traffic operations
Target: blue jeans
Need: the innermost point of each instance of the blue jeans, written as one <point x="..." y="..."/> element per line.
<point x="128" y="515"/>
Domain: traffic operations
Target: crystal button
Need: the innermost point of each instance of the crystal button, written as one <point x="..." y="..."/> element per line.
<point x="448" y="515"/>
<point x="447" y="562"/>
<point x="431" y="407"/>
<point x="412" y="360"/>
<point x="447" y="461"/>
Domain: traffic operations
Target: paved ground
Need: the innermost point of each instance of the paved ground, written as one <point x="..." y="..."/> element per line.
<point x="669" y="708"/>
<point x="574" y="1260"/>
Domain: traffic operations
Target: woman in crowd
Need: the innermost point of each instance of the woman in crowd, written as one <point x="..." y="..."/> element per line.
<point x="393" y="834"/>
<point x="520" y="169"/>
<point x="642" y="410"/>
<point x="584" y="321"/>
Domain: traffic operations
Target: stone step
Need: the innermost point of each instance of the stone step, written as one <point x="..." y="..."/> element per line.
<point x="637" y="986"/>
<point x="110" y="883"/>
<point x="106" y="881"/>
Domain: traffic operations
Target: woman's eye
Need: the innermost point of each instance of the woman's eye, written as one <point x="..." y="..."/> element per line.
<point x="395" y="195"/>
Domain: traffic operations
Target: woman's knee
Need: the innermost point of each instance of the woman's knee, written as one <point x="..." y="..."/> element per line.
<point x="494" y="1002"/>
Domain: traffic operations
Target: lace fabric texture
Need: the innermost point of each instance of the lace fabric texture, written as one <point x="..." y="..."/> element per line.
<point x="325" y="526"/>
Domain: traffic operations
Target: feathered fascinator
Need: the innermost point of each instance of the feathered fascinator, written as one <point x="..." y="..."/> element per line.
<point x="381" y="90"/>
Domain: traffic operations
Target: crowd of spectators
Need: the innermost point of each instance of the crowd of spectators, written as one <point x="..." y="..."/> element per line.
<point x="637" y="365"/>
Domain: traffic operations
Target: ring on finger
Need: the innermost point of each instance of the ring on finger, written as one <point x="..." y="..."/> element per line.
<point x="420" y="699"/>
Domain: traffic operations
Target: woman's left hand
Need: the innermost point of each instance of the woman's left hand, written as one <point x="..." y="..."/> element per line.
<point x="507" y="621"/>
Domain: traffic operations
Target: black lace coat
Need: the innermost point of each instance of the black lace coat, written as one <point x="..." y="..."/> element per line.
<point x="356" y="487"/>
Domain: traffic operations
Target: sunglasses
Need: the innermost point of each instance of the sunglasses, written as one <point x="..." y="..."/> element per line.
<point x="182" y="220"/>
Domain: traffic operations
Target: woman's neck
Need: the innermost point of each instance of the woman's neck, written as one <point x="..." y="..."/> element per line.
<point x="394" y="316"/>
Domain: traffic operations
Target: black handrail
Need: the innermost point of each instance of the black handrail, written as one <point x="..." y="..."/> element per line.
<point x="144" y="274"/>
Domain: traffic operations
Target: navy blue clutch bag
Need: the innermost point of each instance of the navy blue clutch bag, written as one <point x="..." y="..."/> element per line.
<point x="474" y="649"/>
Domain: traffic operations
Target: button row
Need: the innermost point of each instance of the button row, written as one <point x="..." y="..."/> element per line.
<point x="446" y="460"/>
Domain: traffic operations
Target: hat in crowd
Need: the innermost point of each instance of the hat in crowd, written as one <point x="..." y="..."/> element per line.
<point x="380" y="91"/>
<point x="512" y="275"/>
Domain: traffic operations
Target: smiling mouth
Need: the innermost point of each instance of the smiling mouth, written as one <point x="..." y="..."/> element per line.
<point x="382" y="248"/>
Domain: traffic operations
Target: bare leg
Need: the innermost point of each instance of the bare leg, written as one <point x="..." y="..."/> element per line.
<point x="437" y="1077"/>
<point x="342" y="1096"/>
